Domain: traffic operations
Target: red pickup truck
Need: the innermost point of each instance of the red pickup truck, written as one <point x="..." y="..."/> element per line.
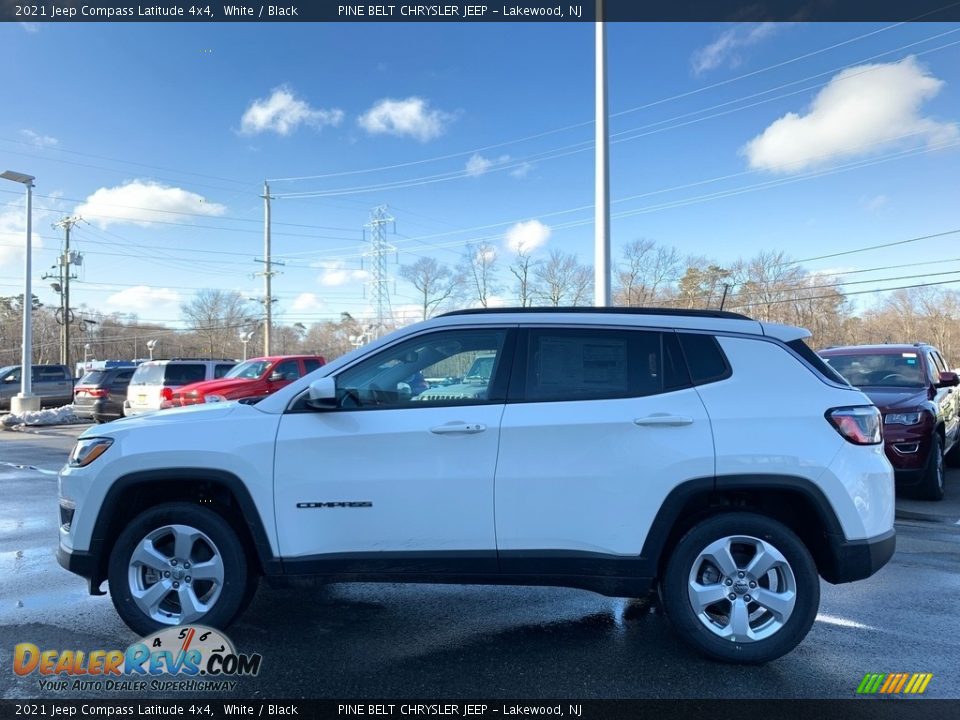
<point x="250" y="379"/>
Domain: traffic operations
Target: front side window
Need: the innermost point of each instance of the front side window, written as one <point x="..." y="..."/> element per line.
<point x="592" y="364"/>
<point x="461" y="366"/>
<point x="287" y="370"/>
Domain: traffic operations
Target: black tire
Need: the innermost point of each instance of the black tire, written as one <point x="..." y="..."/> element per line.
<point x="680" y="609"/>
<point x="98" y="419"/>
<point x="934" y="475"/>
<point x="953" y="457"/>
<point x="235" y="592"/>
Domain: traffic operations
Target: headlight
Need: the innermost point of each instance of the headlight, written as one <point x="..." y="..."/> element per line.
<point x="86" y="451"/>
<point x="910" y="418"/>
<point x="214" y="398"/>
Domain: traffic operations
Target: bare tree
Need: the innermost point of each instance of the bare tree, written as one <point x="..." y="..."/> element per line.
<point x="561" y="280"/>
<point x="436" y="283"/>
<point x="522" y="268"/>
<point x="479" y="267"/>
<point x="216" y="316"/>
<point x="646" y="274"/>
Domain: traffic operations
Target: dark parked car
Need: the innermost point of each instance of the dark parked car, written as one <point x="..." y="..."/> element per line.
<point x="53" y="384"/>
<point x="918" y="397"/>
<point x="100" y="393"/>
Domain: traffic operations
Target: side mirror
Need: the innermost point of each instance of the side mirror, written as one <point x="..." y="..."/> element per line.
<point x="949" y="379"/>
<point x="276" y="376"/>
<point x="322" y="394"/>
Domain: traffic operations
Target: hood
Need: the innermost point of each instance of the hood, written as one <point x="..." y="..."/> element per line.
<point x="896" y="398"/>
<point x="220" y="385"/>
<point x="209" y="412"/>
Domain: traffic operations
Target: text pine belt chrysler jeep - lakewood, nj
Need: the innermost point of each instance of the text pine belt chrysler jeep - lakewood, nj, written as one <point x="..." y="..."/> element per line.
<point x="703" y="454"/>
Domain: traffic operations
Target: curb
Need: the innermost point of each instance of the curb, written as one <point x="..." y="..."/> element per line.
<point x="925" y="517"/>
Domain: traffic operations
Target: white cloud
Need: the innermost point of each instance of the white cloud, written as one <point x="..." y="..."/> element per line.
<point x="13" y="233"/>
<point x="30" y="27"/>
<point x="307" y="303"/>
<point x="875" y="203"/>
<point x="477" y="165"/>
<point x="521" y="170"/>
<point x="527" y="236"/>
<point x="142" y="202"/>
<point x="725" y="48"/>
<point x="860" y="110"/>
<point x="38" y="140"/>
<point x="142" y="298"/>
<point x="412" y="116"/>
<point x="334" y="273"/>
<point x="283" y="113"/>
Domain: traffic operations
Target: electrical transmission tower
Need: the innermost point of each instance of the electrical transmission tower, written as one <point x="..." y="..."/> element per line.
<point x="377" y="254"/>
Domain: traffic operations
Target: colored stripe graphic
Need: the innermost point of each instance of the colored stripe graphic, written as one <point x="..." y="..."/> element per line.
<point x="894" y="683"/>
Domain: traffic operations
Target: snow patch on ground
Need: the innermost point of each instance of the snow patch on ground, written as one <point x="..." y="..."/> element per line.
<point x="51" y="416"/>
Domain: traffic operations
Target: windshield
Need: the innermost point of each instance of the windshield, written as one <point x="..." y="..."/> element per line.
<point x="880" y="370"/>
<point x="249" y="370"/>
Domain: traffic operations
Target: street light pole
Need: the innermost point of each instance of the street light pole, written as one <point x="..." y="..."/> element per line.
<point x="25" y="401"/>
<point x="601" y="261"/>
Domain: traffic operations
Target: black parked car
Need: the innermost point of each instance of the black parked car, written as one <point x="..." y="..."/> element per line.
<point x="100" y="393"/>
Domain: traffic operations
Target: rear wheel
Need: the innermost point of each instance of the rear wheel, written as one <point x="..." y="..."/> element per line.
<point x="931" y="487"/>
<point x="742" y="588"/>
<point x="178" y="564"/>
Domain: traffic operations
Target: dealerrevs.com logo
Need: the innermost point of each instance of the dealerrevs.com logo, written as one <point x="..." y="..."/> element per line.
<point x="188" y="658"/>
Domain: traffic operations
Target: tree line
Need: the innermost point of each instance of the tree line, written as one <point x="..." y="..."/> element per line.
<point x="769" y="286"/>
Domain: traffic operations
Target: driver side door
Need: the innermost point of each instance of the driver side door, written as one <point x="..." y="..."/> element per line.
<point x="385" y="481"/>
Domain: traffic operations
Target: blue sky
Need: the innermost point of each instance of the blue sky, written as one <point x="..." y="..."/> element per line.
<point x="491" y="126"/>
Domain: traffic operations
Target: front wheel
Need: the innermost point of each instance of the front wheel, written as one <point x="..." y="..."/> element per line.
<point x="934" y="475"/>
<point x="742" y="588"/>
<point x="178" y="564"/>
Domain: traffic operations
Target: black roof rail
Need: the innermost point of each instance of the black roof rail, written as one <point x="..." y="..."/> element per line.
<point x="199" y="359"/>
<point x="586" y="310"/>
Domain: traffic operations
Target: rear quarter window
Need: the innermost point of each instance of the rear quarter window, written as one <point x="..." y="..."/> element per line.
<point x="184" y="374"/>
<point x="804" y="351"/>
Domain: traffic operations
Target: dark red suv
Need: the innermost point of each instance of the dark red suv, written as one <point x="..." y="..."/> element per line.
<point x="918" y="397"/>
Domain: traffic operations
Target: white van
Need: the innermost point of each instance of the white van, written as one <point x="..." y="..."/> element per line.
<point x="154" y="382"/>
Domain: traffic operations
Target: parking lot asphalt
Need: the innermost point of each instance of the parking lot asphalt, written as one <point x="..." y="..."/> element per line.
<point x="452" y="641"/>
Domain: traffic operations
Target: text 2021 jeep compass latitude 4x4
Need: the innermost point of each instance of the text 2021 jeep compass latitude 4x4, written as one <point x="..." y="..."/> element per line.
<point x="705" y="454"/>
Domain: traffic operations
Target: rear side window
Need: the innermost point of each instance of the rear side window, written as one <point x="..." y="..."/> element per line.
<point x="220" y="370"/>
<point x="592" y="364"/>
<point x="50" y="373"/>
<point x="123" y="377"/>
<point x="705" y="359"/>
<point x="311" y="364"/>
<point x="184" y="374"/>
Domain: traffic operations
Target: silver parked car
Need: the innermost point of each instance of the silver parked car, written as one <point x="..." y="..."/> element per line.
<point x="52" y="383"/>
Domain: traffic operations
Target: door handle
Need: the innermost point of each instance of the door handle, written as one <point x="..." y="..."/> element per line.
<point x="458" y="429"/>
<point x="663" y="420"/>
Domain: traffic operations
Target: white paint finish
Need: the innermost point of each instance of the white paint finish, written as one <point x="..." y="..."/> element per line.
<point x="233" y="438"/>
<point x="430" y="490"/>
<point x="786" y="333"/>
<point x="585" y="476"/>
<point x="769" y="418"/>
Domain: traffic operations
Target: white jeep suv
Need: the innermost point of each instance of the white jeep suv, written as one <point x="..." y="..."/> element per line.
<point x="703" y="454"/>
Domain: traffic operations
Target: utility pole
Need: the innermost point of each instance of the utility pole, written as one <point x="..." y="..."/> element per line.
<point x="63" y="286"/>
<point x="601" y="211"/>
<point x="268" y="270"/>
<point x="379" y="249"/>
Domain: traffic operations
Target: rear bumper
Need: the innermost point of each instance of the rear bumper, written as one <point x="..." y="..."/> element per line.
<point x="851" y="560"/>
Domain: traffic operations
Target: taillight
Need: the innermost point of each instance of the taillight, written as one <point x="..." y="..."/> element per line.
<point x="97" y="392"/>
<point x="166" y="394"/>
<point x="860" y="425"/>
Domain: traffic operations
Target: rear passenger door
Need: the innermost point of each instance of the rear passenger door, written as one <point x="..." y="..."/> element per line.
<point x="600" y="425"/>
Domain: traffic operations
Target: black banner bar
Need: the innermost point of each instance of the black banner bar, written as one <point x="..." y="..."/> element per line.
<point x="873" y="708"/>
<point x="200" y="11"/>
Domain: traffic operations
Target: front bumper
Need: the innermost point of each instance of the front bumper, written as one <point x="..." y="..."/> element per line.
<point x="84" y="564"/>
<point x="851" y="560"/>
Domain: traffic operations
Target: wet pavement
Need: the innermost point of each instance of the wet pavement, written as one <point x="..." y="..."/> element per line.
<point x="416" y="641"/>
